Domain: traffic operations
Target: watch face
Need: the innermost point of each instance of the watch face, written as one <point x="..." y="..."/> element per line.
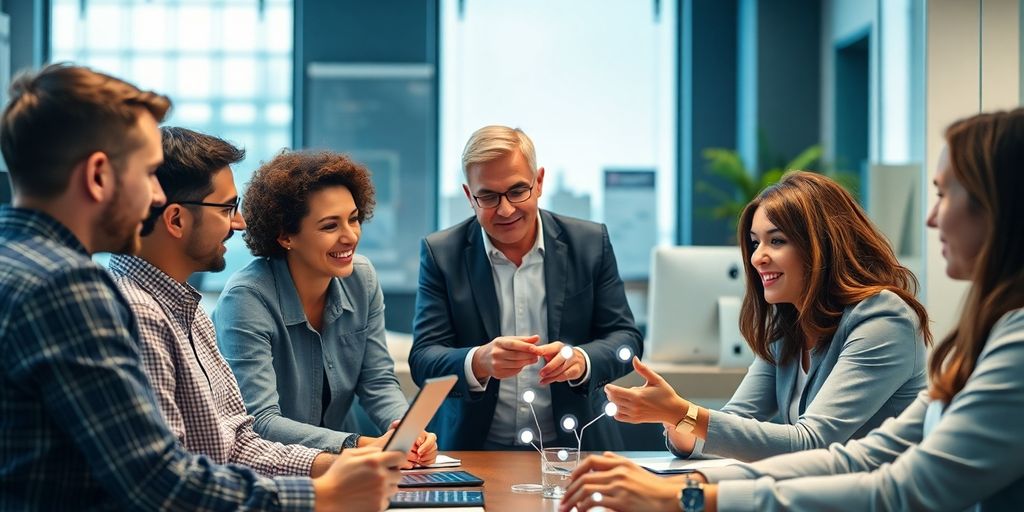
<point x="693" y="499"/>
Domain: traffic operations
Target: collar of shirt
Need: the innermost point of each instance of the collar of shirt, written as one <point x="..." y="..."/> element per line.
<point x="180" y="299"/>
<point x="292" y="312"/>
<point x="495" y="255"/>
<point x="27" y="222"/>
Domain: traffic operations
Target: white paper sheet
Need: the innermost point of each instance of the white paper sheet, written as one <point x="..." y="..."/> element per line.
<point x="443" y="461"/>
<point x="672" y="465"/>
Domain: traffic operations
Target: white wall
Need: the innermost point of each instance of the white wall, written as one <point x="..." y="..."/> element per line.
<point x="972" y="51"/>
<point x="973" y="65"/>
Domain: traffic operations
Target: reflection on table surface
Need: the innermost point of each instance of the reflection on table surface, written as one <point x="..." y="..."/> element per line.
<point x="501" y="470"/>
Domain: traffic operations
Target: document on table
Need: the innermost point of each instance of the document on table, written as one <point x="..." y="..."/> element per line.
<point x="673" y="466"/>
<point x="443" y="461"/>
<point x="439" y="509"/>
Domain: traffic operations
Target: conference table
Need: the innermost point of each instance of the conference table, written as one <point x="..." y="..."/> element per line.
<point x="501" y="470"/>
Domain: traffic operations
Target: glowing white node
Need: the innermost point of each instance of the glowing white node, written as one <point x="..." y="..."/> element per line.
<point x="597" y="497"/>
<point x="563" y="455"/>
<point x="528" y="396"/>
<point x="526" y="436"/>
<point x="610" y="408"/>
<point x="569" y="423"/>
<point x="625" y="354"/>
<point x="566" y="352"/>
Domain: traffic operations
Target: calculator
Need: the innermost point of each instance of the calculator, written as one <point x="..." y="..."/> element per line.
<point x="440" y="479"/>
<point x="419" y="499"/>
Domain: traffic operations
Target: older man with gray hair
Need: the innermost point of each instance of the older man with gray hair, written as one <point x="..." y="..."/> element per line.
<point x="502" y="294"/>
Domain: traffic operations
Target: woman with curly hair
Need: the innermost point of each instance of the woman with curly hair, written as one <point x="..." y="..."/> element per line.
<point x="302" y="326"/>
<point x="831" y="315"/>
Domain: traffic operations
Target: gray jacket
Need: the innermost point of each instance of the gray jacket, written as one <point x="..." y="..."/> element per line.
<point x="280" y="360"/>
<point x="871" y="370"/>
<point x="973" y="455"/>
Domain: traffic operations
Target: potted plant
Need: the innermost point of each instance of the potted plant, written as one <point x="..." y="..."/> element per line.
<point x="743" y="185"/>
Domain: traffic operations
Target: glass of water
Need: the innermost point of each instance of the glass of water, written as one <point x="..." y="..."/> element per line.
<point x="556" y="466"/>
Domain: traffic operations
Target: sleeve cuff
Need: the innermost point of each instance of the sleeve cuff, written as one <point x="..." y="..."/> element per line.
<point x="698" y="449"/>
<point x="295" y="493"/>
<point x="734" y="472"/>
<point x="586" y="372"/>
<point x="467" y="367"/>
<point x="736" y="495"/>
<point x="299" y="460"/>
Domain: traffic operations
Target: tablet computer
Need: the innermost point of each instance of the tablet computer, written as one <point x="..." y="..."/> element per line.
<point x="437" y="499"/>
<point x="426" y="403"/>
<point x="440" y="479"/>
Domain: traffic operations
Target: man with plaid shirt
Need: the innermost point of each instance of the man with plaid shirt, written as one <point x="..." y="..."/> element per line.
<point x="197" y="392"/>
<point x="80" y="427"/>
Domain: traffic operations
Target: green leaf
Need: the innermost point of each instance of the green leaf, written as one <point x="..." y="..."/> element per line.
<point x="705" y="188"/>
<point x="770" y="178"/>
<point x="803" y="161"/>
<point x="727" y="164"/>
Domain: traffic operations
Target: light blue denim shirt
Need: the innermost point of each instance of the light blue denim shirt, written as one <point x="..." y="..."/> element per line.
<point x="280" y="360"/>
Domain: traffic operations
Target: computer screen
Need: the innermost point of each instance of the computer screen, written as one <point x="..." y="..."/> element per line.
<point x="686" y="287"/>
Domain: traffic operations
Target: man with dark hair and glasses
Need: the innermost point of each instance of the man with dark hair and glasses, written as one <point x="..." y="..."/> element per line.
<point x="503" y="294"/>
<point x="80" y="426"/>
<point x="198" y="395"/>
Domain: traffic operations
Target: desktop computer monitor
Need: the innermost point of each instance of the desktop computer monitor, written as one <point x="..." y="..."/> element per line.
<point x="694" y="296"/>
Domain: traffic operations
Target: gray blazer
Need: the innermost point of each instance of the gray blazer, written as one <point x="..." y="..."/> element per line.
<point x="973" y="455"/>
<point x="280" y="360"/>
<point x="871" y="370"/>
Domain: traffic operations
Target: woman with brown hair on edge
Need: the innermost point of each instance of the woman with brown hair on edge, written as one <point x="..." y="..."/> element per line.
<point x="959" y="445"/>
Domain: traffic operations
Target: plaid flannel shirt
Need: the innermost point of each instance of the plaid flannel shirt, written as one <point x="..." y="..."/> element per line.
<point x="80" y="427"/>
<point x="197" y="392"/>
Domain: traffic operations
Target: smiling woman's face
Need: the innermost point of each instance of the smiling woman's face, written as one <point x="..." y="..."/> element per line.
<point x="328" y="235"/>
<point x="776" y="260"/>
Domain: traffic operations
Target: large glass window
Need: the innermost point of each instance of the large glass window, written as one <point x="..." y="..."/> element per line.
<point x="594" y="87"/>
<point x="226" y="64"/>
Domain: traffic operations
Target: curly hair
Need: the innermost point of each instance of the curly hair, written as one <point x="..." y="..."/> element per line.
<point x="846" y="260"/>
<point x="277" y="198"/>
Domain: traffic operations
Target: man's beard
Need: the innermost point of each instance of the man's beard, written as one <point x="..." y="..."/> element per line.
<point x="210" y="259"/>
<point x="119" y="226"/>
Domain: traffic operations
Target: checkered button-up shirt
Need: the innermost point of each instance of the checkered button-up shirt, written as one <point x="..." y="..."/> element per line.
<point x="197" y="392"/>
<point x="80" y="428"/>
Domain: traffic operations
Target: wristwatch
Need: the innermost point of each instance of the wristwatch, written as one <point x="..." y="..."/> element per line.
<point x="352" y="441"/>
<point x="689" y="421"/>
<point x="691" y="497"/>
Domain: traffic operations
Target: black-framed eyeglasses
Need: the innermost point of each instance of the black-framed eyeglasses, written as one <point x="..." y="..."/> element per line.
<point x="231" y="208"/>
<point x="514" y="195"/>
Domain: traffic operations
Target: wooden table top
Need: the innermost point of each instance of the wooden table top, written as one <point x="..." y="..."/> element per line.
<point x="501" y="470"/>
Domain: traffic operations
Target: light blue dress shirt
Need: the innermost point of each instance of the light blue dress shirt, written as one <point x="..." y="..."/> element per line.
<point x="522" y="300"/>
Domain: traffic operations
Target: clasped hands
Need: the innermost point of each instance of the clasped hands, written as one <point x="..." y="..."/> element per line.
<point x="506" y="356"/>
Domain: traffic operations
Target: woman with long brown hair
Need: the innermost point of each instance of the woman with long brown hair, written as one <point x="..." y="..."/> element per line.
<point x="830" y="314"/>
<point x="959" y="445"/>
